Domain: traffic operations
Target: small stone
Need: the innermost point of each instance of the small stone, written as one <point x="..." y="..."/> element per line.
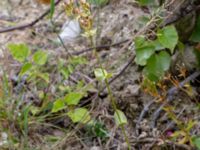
<point x="143" y="135"/>
<point x="133" y="89"/>
<point x="134" y="106"/>
<point x="95" y="148"/>
<point x="124" y="146"/>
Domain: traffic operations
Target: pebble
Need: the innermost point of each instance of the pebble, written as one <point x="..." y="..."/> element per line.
<point x="133" y="89"/>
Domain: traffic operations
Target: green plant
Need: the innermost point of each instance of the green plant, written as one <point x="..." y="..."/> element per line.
<point x="38" y="75"/>
<point x="97" y="129"/>
<point x="196" y="141"/>
<point x="86" y="22"/>
<point x="153" y="54"/>
<point x="31" y="64"/>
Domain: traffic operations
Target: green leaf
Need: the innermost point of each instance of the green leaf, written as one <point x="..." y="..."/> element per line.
<point x="156" y="65"/>
<point x="144" y="2"/>
<point x="100" y="130"/>
<point x="100" y="74"/>
<point x="77" y="60"/>
<point x="168" y="37"/>
<point x="79" y="115"/>
<point x="19" y="51"/>
<point x="40" y="57"/>
<point x="25" y="115"/>
<point x="143" y="54"/>
<point x="196" y="142"/>
<point x="25" y="69"/>
<point x="139" y="41"/>
<point x="58" y="105"/>
<point x="52" y="9"/>
<point x="65" y="73"/>
<point x="144" y="50"/>
<point x="73" y="98"/>
<point x="158" y="46"/>
<point x="120" y="118"/>
<point x="34" y="110"/>
<point x="70" y="68"/>
<point x="195" y="37"/>
<point x="44" y="76"/>
<point x="143" y="20"/>
<point x="165" y="60"/>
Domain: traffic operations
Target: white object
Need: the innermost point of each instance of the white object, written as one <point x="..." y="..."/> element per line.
<point x="70" y="30"/>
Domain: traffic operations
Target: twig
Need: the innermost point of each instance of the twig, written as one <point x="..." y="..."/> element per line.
<point x="128" y="63"/>
<point x="20" y="27"/>
<point x="170" y="95"/>
<point x="180" y="16"/>
<point x="142" y="115"/>
<point x="99" y="47"/>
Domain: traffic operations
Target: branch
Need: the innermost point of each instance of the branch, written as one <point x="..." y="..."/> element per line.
<point x="20" y="27"/>
<point x="99" y="47"/>
<point x="169" y="22"/>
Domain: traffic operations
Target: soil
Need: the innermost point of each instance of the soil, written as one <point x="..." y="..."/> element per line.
<point x="119" y="20"/>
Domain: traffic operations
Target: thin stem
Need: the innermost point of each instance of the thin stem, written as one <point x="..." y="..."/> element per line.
<point x="112" y="99"/>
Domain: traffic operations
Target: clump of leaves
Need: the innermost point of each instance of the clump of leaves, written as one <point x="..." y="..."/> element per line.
<point x="153" y="55"/>
<point x="196" y="142"/>
<point x="97" y="129"/>
<point x="31" y="64"/>
<point x="70" y="103"/>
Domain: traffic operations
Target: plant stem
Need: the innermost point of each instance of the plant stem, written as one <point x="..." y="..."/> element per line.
<point x="112" y="99"/>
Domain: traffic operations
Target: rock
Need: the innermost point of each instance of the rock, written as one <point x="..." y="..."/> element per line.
<point x="133" y="89"/>
<point x="95" y="148"/>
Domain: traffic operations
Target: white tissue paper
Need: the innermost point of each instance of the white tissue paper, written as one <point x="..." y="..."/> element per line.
<point x="70" y="31"/>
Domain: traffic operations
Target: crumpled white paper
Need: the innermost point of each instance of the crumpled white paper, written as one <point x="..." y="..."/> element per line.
<point x="70" y="31"/>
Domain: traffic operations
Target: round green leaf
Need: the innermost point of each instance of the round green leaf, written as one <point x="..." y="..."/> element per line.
<point x="120" y="117"/>
<point x="157" y="64"/>
<point x="25" y="69"/>
<point x="144" y="50"/>
<point x="40" y="57"/>
<point x="164" y="60"/>
<point x="196" y="142"/>
<point x="168" y="37"/>
<point x="100" y="74"/>
<point x="79" y="115"/>
<point x="19" y="51"/>
<point x="143" y="54"/>
<point x="73" y="98"/>
<point x="58" y="105"/>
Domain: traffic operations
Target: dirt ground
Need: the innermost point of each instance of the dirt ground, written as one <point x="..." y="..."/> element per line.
<point x="119" y="21"/>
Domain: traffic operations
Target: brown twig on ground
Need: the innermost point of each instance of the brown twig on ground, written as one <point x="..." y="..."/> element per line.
<point x="20" y="27"/>
<point x="99" y="47"/>
<point x="128" y="63"/>
<point x="142" y="115"/>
